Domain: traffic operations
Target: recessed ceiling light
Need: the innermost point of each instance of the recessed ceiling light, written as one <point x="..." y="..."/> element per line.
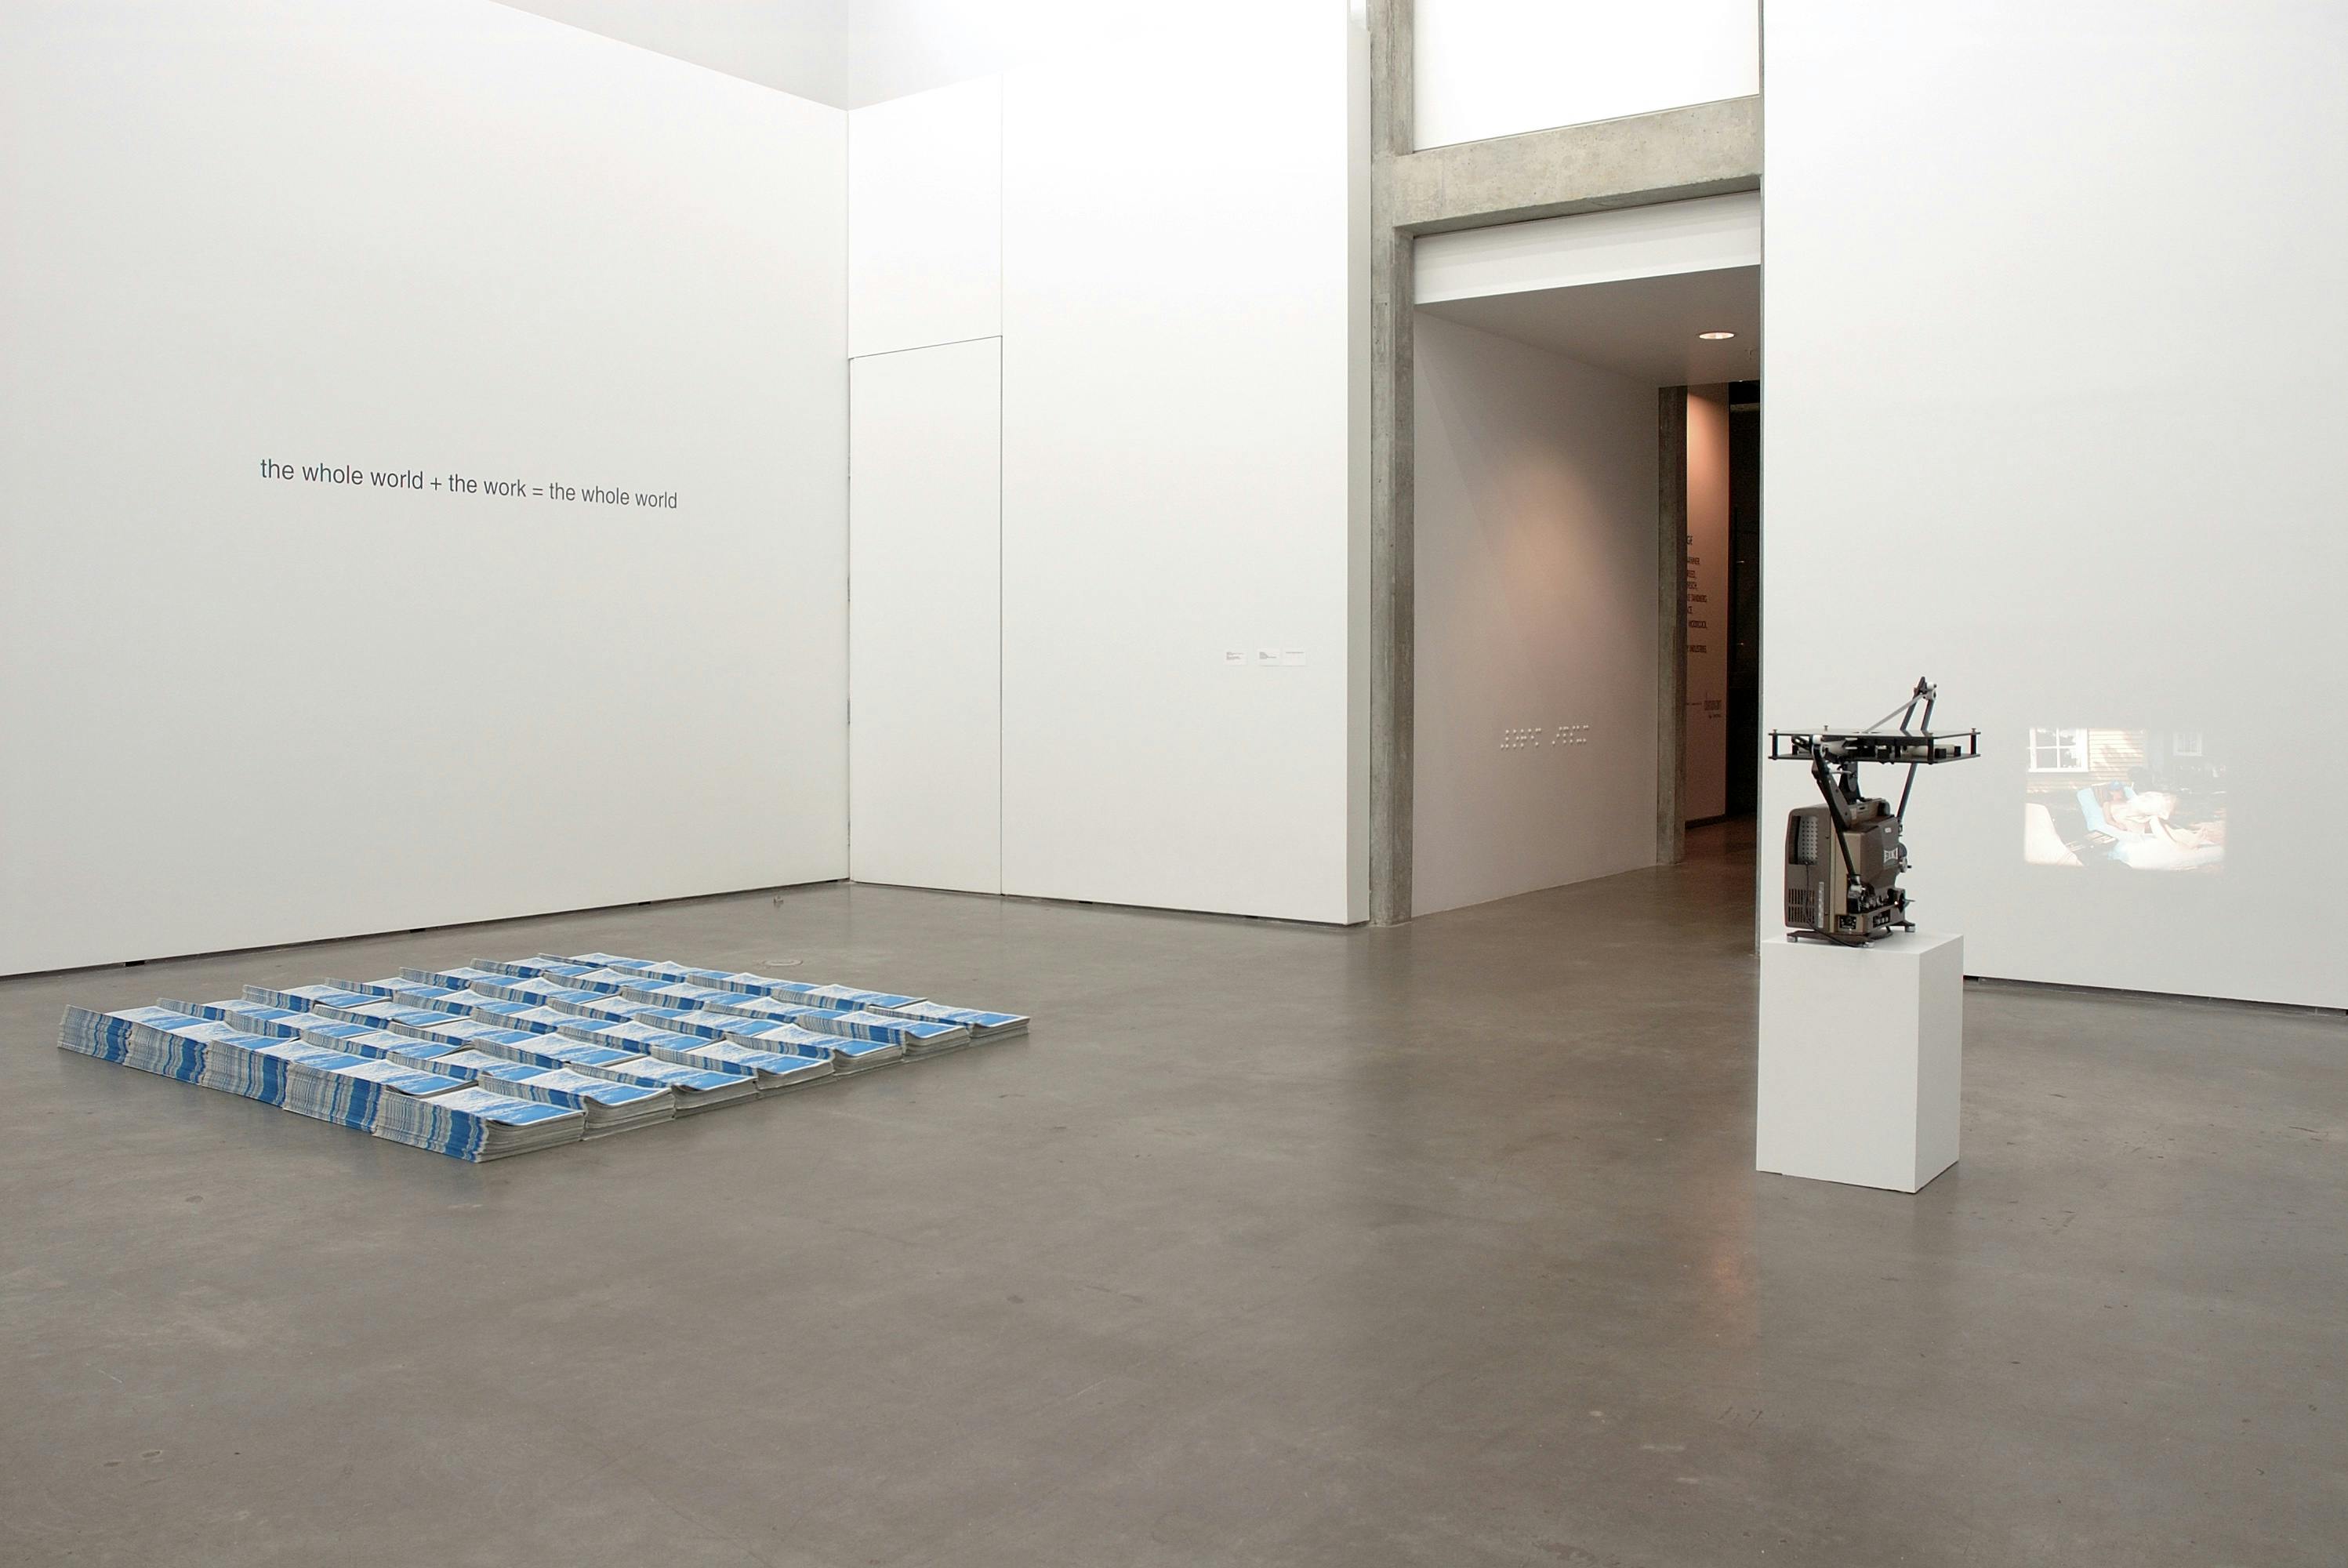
<point x="1715" y="336"/>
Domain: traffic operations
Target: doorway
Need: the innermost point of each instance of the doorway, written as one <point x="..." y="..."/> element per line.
<point x="1721" y="737"/>
<point x="1558" y="594"/>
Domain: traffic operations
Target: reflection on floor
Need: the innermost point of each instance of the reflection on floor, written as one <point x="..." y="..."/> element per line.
<point x="1280" y="1244"/>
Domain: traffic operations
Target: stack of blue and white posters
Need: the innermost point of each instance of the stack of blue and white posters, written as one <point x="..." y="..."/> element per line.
<point x="700" y="1021"/>
<point x="242" y="1065"/>
<point x="332" y="1033"/>
<point x="313" y="1088"/>
<point x="444" y="1003"/>
<point x="981" y="1025"/>
<point x="460" y="977"/>
<point x="612" y="1009"/>
<point x="489" y="1009"/>
<point x="537" y="1019"/>
<point x="168" y="1047"/>
<point x="548" y="1050"/>
<point x="847" y="1055"/>
<point x="507" y="988"/>
<point x="659" y="968"/>
<point x="917" y="1038"/>
<point x="231" y="1063"/>
<point x="778" y="993"/>
<point x="608" y="980"/>
<point x="545" y="965"/>
<point x="252" y="1017"/>
<point x="477" y="1123"/>
<point x="696" y="1088"/>
<point x="846" y="998"/>
<point x="741" y="1005"/>
<point x="383" y="1045"/>
<point x="473" y="1067"/>
<point x="773" y="1070"/>
<point x="674" y="993"/>
<point x="444" y="1028"/>
<point x="387" y="1012"/>
<point x="614" y="1059"/>
<point x="307" y="997"/>
<point x="374" y="1092"/>
<point x="152" y="1040"/>
<point x="832" y="998"/>
<point x="530" y="990"/>
<point x="609" y="1106"/>
<point x="352" y="1091"/>
<point x="627" y="1034"/>
<point x="393" y="988"/>
<point x="767" y="1035"/>
<point x="570" y="997"/>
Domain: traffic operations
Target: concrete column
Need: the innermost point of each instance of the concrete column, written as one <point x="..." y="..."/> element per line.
<point x="1393" y="563"/>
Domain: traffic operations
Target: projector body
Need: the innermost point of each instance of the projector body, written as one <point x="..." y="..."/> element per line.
<point x="1844" y="856"/>
<point x="1846" y="884"/>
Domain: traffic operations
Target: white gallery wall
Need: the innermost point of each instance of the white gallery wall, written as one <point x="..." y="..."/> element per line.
<point x="1181" y="427"/>
<point x="1536" y="605"/>
<point x="925" y="218"/>
<point x="450" y="239"/>
<point x="925" y="489"/>
<point x="1501" y="67"/>
<point x="898" y="48"/>
<point x="2050" y="363"/>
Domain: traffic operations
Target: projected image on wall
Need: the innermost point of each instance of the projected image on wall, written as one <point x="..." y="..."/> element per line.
<point x="2141" y="799"/>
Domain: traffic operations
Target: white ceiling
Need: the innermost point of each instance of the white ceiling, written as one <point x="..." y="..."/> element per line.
<point x="1644" y="328"/>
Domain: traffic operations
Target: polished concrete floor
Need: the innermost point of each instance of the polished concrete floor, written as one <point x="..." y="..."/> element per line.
<point x="1273" y="1244"/>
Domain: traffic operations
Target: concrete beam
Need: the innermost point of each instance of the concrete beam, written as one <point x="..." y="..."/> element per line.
<point x="1671" y="155"/>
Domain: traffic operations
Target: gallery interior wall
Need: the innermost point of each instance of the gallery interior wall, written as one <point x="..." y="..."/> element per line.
<point x="1182" y="429"/>
<point x="455" y="239"/>
<point x="1177" y="420"/>
<point x="1536" y="606"/>
<point x="1501" y="67"/>
<point x="2051" y="370"/>
<point x="925" y="218"/>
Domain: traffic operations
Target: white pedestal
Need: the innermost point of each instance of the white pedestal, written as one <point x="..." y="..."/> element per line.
<point x="1861" y="1059"/>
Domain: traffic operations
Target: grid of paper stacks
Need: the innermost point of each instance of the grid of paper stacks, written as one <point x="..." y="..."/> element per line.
<point x="502" y="1056"/>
